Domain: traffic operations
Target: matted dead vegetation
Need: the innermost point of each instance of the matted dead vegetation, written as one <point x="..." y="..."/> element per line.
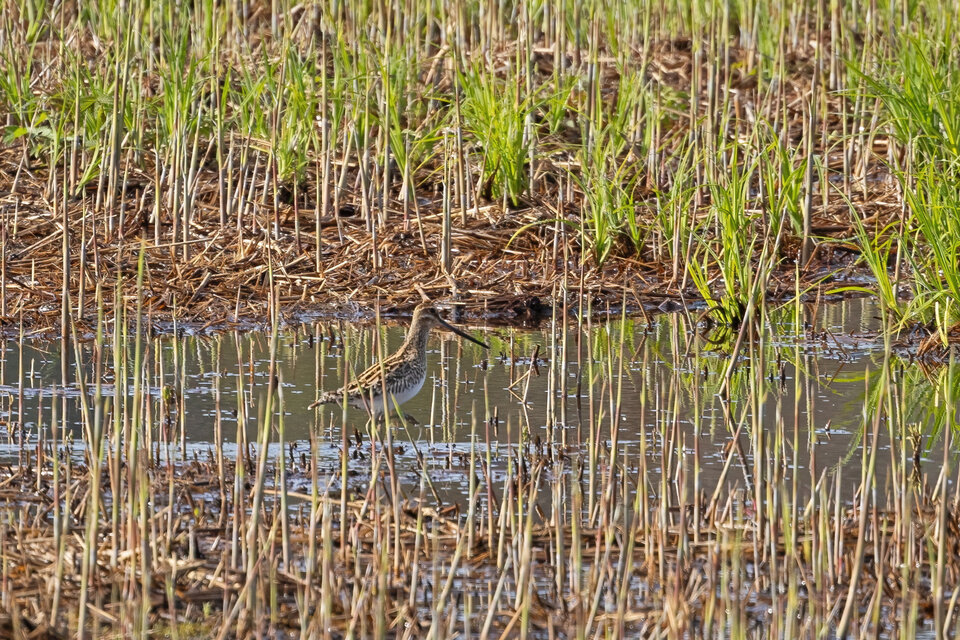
<point x="319" y="194"/>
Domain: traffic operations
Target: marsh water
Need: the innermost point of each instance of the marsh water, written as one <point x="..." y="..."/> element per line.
<point x="660" y="387"/>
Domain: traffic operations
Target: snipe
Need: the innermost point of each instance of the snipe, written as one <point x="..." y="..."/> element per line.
<point x="404" y="372"/>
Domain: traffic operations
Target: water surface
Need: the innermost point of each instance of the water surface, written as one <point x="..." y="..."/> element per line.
<point x="656" y="387"/>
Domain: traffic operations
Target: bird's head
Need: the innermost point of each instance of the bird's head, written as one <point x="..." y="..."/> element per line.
<point x="428" y="316"/>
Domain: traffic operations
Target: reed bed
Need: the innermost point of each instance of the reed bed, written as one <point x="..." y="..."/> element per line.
<point x="718" y="518"/>
<point x="216" y="165"/>
<point x="705" y="565"/>
<point x="708" y="153"/>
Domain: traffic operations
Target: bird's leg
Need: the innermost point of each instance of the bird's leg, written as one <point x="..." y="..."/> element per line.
<point x="406" y="418"/>
<point x="403" y="416"/>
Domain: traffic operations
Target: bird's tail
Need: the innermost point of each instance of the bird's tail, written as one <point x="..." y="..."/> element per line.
<point x="329" y="397"/>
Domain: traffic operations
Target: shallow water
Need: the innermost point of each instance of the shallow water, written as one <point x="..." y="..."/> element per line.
<point x="653" y="386"/>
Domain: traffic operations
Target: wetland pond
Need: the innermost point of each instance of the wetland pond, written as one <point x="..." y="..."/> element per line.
<point x="654" y="386"/>
<point x="746" y="478"/>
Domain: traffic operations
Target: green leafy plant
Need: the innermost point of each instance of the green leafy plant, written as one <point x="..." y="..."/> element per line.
<point x="496" y="117"/>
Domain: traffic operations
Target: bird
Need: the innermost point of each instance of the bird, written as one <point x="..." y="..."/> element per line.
<point x="404" y="372"/>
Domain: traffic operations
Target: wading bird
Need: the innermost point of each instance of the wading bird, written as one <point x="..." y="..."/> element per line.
<point x="404" y="372"/>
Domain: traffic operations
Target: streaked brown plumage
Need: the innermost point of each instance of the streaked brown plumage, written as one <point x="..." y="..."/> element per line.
<point x="405" y="371"/>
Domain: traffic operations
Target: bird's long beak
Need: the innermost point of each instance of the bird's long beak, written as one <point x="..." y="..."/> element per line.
<point x="463" y="334"/>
